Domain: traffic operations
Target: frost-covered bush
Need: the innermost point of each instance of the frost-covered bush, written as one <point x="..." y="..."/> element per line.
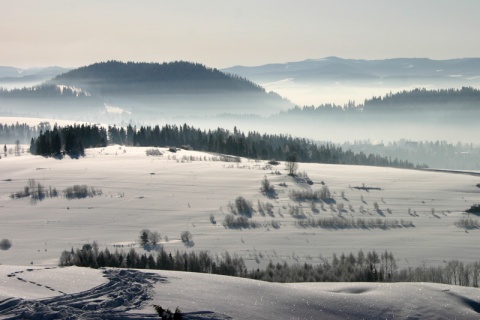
<point x="353" y="223"/>
<point x="153" y="152"/>
<point x="267" y="188"/>
<point x="187" y="238"/>
<point x="467" y="223"/>
<point x="243" y="207"/>
<point x="265" y="208"/>
<point x="233" y="222"/>
<point x="311" y="195"/>
<point x="5" y="244"/>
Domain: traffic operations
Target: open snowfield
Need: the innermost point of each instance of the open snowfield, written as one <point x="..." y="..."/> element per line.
<point x="180" y="191"/>
<point x="171" y="194"/>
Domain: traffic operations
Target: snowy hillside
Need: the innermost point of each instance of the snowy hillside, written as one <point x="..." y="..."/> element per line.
<point x="76" y="293"/>
<point x="193" y="191"/>
<point x="182" y="191"/>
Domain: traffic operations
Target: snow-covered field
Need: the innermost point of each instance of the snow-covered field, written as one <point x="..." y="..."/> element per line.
<point x="180" y="191"/>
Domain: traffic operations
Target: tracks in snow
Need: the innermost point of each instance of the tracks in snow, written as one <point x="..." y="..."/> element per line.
<point x="125" y="291"/>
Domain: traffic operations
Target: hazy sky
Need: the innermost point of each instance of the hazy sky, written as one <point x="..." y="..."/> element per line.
<point x="223" y="33"/>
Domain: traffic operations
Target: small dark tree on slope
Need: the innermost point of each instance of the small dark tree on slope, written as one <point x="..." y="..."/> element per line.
<point x="291" y="165"/>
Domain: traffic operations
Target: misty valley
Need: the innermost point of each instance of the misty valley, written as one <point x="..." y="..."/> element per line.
<point x="216" y="184"/>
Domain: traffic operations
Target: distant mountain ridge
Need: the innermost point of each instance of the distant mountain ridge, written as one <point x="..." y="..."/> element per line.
<point x="334" y="68"/>
<point x="114" y="77"/>
<point x="147" y="90"/>
<point x="19" y="75"/>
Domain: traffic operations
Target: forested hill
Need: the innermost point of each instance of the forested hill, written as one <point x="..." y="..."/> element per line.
<point x="114" y="77"/>
<point x="145" y="91"/>
<point x="464" y="98"/>
<point x="444" y="106"/>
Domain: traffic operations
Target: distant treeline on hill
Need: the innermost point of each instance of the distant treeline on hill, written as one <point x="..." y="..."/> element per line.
<point x="252" y="145"/>
<point x="448" y="101"/>
<point x="72" y="140"/>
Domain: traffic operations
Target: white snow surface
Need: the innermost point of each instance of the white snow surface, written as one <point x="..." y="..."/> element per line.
<point x="179" y="191"/>
<point x="206" y="296"/>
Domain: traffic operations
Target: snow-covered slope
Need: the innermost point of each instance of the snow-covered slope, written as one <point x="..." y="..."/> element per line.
<point x="181" y="191"/>
<point x="130" y="294"/>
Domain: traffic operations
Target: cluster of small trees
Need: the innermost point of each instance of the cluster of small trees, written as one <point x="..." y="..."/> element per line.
<point x="90" y="256"/>
<point x="69" y="140"/>
<point x="370" y="267"/>
<point x="36" y="191"/>
<point x="239" y="222"/>
<point x="453" y="272"/>
<point x="81" y="191"/>
<point x="353" y="223"/>
<point x="149" y="240"/>
<point x="467" y="223"/>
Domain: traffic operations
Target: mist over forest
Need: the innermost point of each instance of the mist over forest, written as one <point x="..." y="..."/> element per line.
<point x="430" y="124"/>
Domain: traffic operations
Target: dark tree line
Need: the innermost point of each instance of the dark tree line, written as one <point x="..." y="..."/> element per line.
<point x="202" y="262"/>
<point x="362" y="267"/>
<point x="70" y="140"/>
<point x="370" y="267"/>
<point x="43" y="91"/>
<point x="73" y="139"/>
<point x="464" y="98"/>
<point x="251" y="145"/>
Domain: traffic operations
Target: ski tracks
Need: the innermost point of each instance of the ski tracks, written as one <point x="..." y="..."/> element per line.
<point x="126" y="290"/>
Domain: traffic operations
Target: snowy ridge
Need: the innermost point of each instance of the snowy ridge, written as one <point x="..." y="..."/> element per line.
<point x="131" y="294"/>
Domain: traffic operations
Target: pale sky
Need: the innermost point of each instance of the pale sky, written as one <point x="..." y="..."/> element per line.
<point x="224" y="33"/>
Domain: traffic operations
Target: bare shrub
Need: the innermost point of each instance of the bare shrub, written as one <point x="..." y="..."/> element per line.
<point x="243" y="207"/>
<point x="81" y="191"/>
<point x="212" y="219"/>
<point x="296" y="212"/>
<point x="187" y="238"/>
<point x="265" y="208"/>
<point x="303" y="176"/>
